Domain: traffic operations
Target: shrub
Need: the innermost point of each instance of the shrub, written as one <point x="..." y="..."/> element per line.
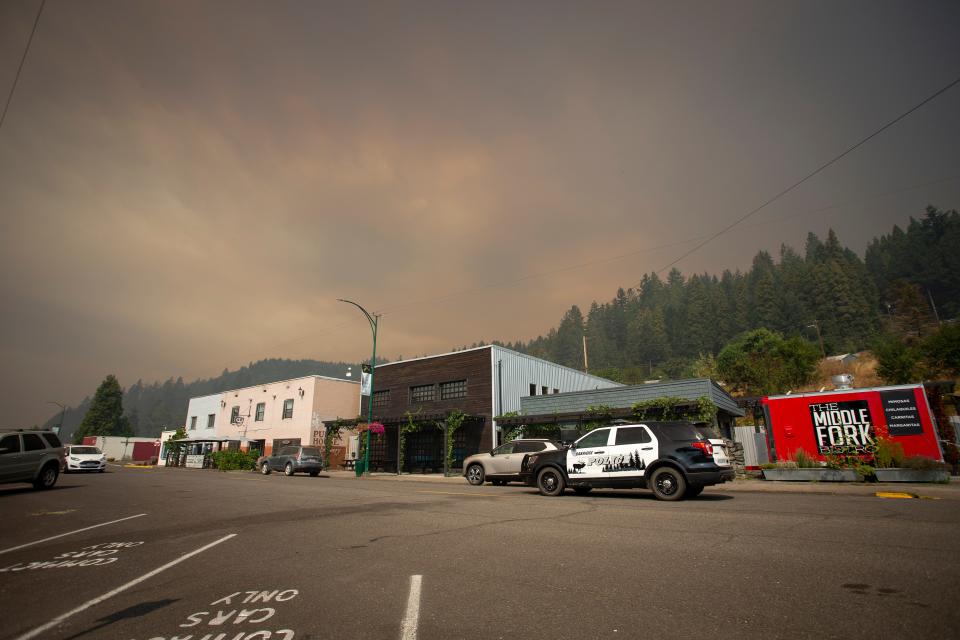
<point x="887" y="453"/>
<point x="865" y="470"/>
<point x="231" y="460"/>
<point x="804" y="460"/>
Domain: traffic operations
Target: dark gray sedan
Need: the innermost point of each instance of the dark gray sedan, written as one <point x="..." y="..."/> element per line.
<point x="291" y="460"/>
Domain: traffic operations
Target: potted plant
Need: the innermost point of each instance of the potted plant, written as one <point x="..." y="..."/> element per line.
<point x="893" y="466"/>
<point x="805" y="468"/>
<point x="915" y="469"/>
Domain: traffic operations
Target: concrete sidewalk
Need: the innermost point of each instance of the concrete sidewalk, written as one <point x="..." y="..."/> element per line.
<point x="945" y="491"/>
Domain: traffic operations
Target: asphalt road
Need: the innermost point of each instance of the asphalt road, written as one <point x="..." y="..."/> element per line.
<point x="237" y="556"/>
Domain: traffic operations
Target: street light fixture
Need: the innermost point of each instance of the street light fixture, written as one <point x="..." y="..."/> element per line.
<point x="63" y="411"/>
<point x="373" y="319"/>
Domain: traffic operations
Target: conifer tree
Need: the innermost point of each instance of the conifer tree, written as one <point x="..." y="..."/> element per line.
<point x="105" y="415"/>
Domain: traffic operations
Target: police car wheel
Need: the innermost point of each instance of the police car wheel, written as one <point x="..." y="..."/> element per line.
<point x="668" y="484"/>
<point x="550" y="482"/>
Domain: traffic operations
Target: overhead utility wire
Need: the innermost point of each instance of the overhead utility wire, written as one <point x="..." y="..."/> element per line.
<point x="23" y="59"/>
<point x="796" y="184"/>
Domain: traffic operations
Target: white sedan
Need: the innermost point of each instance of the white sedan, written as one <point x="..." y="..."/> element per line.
<point x="84" y="458"/>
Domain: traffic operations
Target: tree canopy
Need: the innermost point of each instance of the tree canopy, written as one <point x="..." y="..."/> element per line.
<point x="105" y="416"/>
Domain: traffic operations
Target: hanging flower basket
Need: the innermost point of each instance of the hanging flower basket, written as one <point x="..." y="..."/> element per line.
<point x="373" y="427"/>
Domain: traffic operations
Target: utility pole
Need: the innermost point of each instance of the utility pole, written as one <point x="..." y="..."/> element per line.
<point x="586" y="364"/>
<point x="816" y="325"/>
<point x="934" y="307"/>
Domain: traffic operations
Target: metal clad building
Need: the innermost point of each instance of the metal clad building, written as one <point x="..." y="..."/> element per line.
<point x="624" y="397"/>
<point x="519" y="378"/>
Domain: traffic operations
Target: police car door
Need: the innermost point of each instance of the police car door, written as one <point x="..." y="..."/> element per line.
<point x="633" y="449"/>
<point x="587" y="458"/>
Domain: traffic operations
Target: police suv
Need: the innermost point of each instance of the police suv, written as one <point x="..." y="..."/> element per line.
<point x="675" y="460"/>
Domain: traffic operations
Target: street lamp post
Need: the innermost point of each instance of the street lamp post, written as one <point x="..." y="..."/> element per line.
<point x="63" y="411"/>
<point x="373" y="319"/>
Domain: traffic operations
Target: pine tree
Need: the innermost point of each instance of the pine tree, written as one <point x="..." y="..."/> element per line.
<point x="105" y="415"/>
<point x="568" y="349"/>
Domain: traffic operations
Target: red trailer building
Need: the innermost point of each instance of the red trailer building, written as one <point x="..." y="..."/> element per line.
<point x="815" y="422"/>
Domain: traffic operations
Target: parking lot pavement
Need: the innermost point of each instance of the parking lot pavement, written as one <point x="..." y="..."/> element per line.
<point x="253" y="557"/>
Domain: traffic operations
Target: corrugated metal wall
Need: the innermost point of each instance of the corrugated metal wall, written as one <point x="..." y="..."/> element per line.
<point x="513" y="373"/>
<point x="754" y="445"/>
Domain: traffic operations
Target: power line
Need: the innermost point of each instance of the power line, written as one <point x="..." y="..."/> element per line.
<point x="26" y="49"/>
<point x="810" y="175"/>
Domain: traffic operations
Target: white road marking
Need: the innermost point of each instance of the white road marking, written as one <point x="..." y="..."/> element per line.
<point x="86" y="605"/>
<point x="408" y="629"/>
<point x="68" y="533"/>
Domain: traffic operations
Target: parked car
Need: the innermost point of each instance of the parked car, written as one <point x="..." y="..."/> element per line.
<point x="502" y="465"/>
<point x="81" y="457"/>
<point x="675" y="460"/>
<point x="291" y="460"/>
<point x="30" y="456"/>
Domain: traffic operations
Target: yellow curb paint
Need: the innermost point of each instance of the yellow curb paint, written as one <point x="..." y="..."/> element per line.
<point x="138" y="466"/>
<point x="894" y="494"/>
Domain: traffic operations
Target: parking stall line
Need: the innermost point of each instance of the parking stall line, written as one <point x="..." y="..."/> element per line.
<point x="68" y="533"/>
<point x="89" y="603"/>
<point x="408" y="629"/>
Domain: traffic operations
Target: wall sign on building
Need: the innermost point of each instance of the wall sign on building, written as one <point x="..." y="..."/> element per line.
<point x="845" y="423"/>
<point x="902" y="413"/>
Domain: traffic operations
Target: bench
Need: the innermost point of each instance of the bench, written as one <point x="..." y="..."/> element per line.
<point x="348" y="463"/>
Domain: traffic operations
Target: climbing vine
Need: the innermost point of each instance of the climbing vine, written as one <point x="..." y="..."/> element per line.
<point x="673" y="408"/>
<point x="411" y="426"/>
<point x="599" y="415"/>
<point x="453" y="422"/>
<point x="515" y="431"/>
<point x="331" y="434"/>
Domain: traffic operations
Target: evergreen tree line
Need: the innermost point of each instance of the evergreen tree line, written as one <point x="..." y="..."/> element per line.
<point x="150" y="408"/>
<point x="661" y="327"/>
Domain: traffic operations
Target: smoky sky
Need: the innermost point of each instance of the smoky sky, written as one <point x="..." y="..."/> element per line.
<point x="188" y="186"/>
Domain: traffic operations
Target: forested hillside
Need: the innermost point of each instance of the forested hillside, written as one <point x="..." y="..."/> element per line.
<point x="663" y="325"/>
<point x="153" y="407"/>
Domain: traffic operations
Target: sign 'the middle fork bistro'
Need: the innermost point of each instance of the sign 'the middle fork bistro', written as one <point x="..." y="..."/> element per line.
<point x="845" y="423"/>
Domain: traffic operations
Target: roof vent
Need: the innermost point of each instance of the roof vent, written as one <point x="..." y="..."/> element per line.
<point x="842" y="381"/>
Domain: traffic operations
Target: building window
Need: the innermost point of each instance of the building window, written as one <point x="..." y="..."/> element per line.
<point x="210" y="420"/>
<point x="261" y="407"/>
<point x="193" y="423"/>
<point x="234" y="414"/>
<point x="423" y="393"/>
<point x="288" y="408"/>
<point x="556" y="390"/>
<point x="381" y="398"/>
<point x="533" y="389"/>
<point x="453" y="389"/>
<point x="544" y="390"/>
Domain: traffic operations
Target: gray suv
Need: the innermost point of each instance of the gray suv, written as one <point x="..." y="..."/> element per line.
<point x="30" y="456"/>
<point x="292" y="459"/>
